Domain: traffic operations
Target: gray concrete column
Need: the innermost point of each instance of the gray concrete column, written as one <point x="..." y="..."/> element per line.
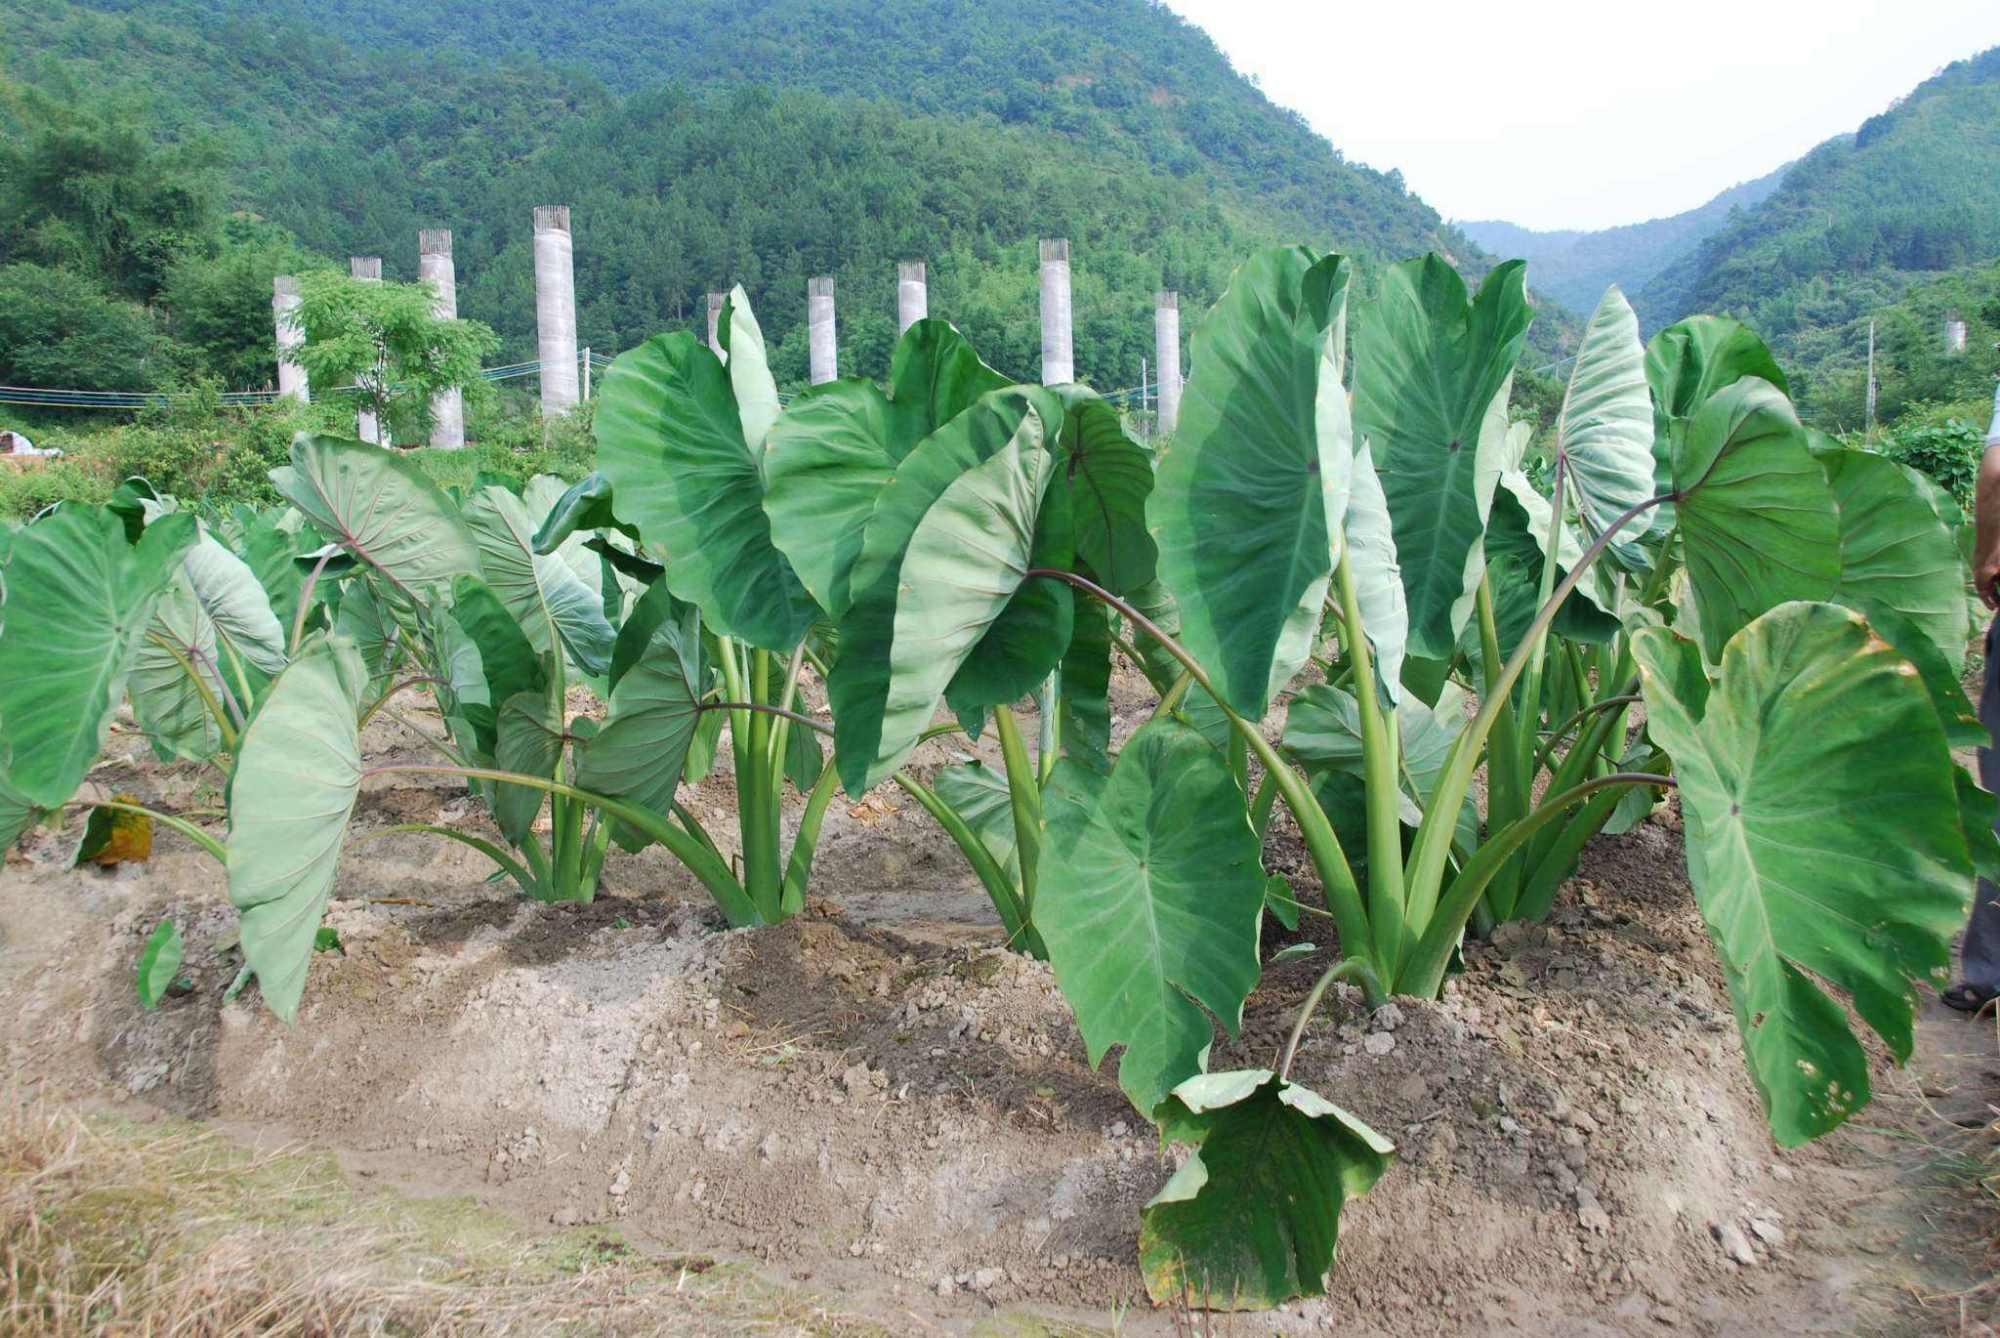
<point x="368" y="269"/>
<point x="1993" y="432"/>
<point x="1954" y="333"/>
<point x="822" y="346"/>
<point x="555" y="309"/>
<point x="434" y="267"/>
<point x="715" y="304"/>
<point x="1058" y="348"/>
<point x="1167" y="359"/>
<point x="913" y="299"/>
<point x="284" y="315"/>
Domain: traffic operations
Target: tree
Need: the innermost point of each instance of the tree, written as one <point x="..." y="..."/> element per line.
<point x="382" y="339"/>
<point x="60" y="330"/>
<point x="219" y="305"/>
<point x="94" y="194"/>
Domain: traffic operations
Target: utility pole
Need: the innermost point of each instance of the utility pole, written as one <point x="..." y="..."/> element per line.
<point x="586" y="371"/>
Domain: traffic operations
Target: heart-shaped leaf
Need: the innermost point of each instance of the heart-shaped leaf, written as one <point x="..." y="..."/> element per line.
<point x="1823" y="837"/>
<point x="1432" y="372"/>
<point x="79" y="602"/>
<point x="383" y="509"/>
<point x="671" y="439"/>
<point x="1249" y="500"/>
<point x="1151" y="899"/>
<point x="298" y="773"/>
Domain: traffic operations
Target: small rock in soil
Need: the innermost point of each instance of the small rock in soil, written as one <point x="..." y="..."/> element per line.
<point x="1734" y="1243"/>
<point x="1378" y="1043"/>
<point x="1388" y="1017"/>
<point x="1768" y="1231"/>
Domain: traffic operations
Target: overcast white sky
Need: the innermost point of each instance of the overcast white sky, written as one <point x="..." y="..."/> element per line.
<point x="1587" y="113"/>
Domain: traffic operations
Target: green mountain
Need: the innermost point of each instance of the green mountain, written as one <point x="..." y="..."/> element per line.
<point x="1575" y="267"/>
<point x="1915" y="192"/>
<point x="703" y="143"/>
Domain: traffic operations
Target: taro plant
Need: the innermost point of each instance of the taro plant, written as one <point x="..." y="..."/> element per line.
<point x="872" y="494"/>
<point x="79" y="599"/>
<point x="1794" y="694"/>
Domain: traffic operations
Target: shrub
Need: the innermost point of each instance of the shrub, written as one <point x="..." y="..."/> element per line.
<point x="1948" y="452"/>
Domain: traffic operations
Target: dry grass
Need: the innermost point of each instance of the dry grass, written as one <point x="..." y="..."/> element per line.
<point x="107" y="1227"/>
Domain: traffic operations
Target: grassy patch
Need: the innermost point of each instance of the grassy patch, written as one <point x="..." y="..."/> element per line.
<point x="107" y="1225"/>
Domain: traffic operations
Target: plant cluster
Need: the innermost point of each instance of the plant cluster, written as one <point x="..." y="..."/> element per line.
<point x="1346" y="494"/>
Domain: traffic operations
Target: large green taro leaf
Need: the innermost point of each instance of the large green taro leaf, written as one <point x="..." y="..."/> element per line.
<point x="381" y="507"/>
<point x="546" y="596"/>
<point x="1823" y="836"/>
<point x="1151" y="896"/>
<point x="508" y="663"/>
<point x="269" y="546"/>
<point x="298" y="773"/>
<point x="1252" y="1219"/>
<point x="79" y="601"/>
<point x="858" y="687"/>
<point x="1110" y="477"/>
<point x="1377" y="575"/>
<point x="166" y="699"/>
<point x="1517" y="544"/>
<point x="230" y="595"/>
<point x="967" y="559"/>
<point x="833" y="453"/>
<point x="1686" y="364"/>
<point x="642" y="749"/>
<point x="529" y="743"/>
<point x="670" y="439"/>
<point x="1604" y="436"/>
<point x="979" y="795"/>
<point x="1250" y="498"/>
<point x="1432" y="373"/>
<point x="1085" y="699"/>
<point x="1757" y="519"/>
<point x="1893" y="551"/>
<point x="584" y="506"/>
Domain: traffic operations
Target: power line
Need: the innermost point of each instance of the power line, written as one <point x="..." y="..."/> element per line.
<point x="41" y="397"/>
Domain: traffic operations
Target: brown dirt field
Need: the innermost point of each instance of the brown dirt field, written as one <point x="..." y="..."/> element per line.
<point x="879" y="1104"/>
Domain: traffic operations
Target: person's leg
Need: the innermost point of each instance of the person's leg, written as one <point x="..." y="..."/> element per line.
<point x="1981" y="955"/>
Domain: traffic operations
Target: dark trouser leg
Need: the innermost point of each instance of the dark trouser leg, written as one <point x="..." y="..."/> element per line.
<point x="1982" y="934"/>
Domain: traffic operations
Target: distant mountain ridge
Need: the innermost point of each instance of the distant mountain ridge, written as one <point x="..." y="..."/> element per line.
<point x="1913" y="192"/>
<point x="1574" y="266"/>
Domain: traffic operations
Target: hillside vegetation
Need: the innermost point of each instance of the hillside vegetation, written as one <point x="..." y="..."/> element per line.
<point x="1575" y="267"/>
<point x="702" y="146"/>
<point x="1915" y="191"/>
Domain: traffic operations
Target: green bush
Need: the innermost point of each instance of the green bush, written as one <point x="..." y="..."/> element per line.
<point x="209" y="455"/>
<point x="1948" y="451"/>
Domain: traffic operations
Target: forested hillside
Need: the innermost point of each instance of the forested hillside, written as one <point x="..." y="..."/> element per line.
<point x="1121" y="78"/>
<point x="1575" y="267"/>
<point x="1915" y="191"/>
<point x="767" y="143"/>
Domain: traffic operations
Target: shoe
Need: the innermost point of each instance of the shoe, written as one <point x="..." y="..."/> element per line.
<point x="1966" y="998"/>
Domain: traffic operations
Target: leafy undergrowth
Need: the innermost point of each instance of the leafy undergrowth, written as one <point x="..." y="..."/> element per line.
<point x="110" y="1226"/>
